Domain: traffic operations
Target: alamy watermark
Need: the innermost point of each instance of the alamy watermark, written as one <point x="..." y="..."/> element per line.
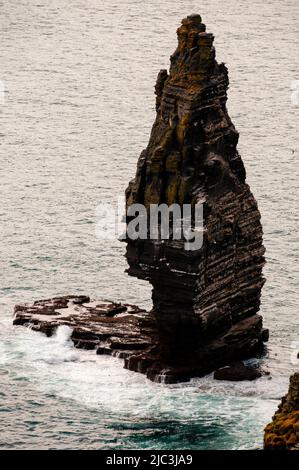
<point x="158" y="222"/>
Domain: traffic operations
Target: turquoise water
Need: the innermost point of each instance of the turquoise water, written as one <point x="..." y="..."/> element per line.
<point x="77" y="111"/>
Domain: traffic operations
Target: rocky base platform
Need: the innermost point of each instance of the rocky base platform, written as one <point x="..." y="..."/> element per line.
<point x="283" y="432"/>
<point x="129" y="332"/>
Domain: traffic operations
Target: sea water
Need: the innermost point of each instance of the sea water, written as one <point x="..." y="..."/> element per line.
<point x="76" y="111"/>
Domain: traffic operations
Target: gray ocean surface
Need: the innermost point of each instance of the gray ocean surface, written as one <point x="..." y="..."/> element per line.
<point x="77" y="110"/>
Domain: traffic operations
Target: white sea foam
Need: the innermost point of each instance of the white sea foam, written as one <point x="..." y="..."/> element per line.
<point x="53" y="366"/>
<point x="102" y="382"/>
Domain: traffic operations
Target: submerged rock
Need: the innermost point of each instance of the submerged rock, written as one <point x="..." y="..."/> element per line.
<point x="205" y="301"/>
<point x="283" y="432"/>
<point x="237" y="372"/>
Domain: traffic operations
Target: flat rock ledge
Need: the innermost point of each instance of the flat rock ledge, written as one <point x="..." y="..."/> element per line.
<point x="130" y="332"/>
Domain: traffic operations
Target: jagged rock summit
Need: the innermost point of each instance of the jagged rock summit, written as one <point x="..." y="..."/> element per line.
<point x="205" y="301"/>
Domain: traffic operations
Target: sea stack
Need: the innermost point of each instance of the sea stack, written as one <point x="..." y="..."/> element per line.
<point x="205" y="301"/>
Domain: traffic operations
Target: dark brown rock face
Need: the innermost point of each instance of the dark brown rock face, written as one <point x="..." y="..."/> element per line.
<point x="109" y="328"/>
<point x="283" y="432"/>
<point x="205" y="301"/>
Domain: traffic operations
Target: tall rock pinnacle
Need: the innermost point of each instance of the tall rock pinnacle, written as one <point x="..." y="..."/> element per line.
<point x="205" y="301"/>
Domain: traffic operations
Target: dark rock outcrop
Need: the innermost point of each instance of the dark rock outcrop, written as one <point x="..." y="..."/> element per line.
<point x="283" y="432"/>
<point x="237" y="372"/>
<point x="205" y="301"/>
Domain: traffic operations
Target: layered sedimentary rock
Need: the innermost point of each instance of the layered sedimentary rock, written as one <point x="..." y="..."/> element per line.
<point x="205" y="301"/>
<point x="283" y="432"/>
